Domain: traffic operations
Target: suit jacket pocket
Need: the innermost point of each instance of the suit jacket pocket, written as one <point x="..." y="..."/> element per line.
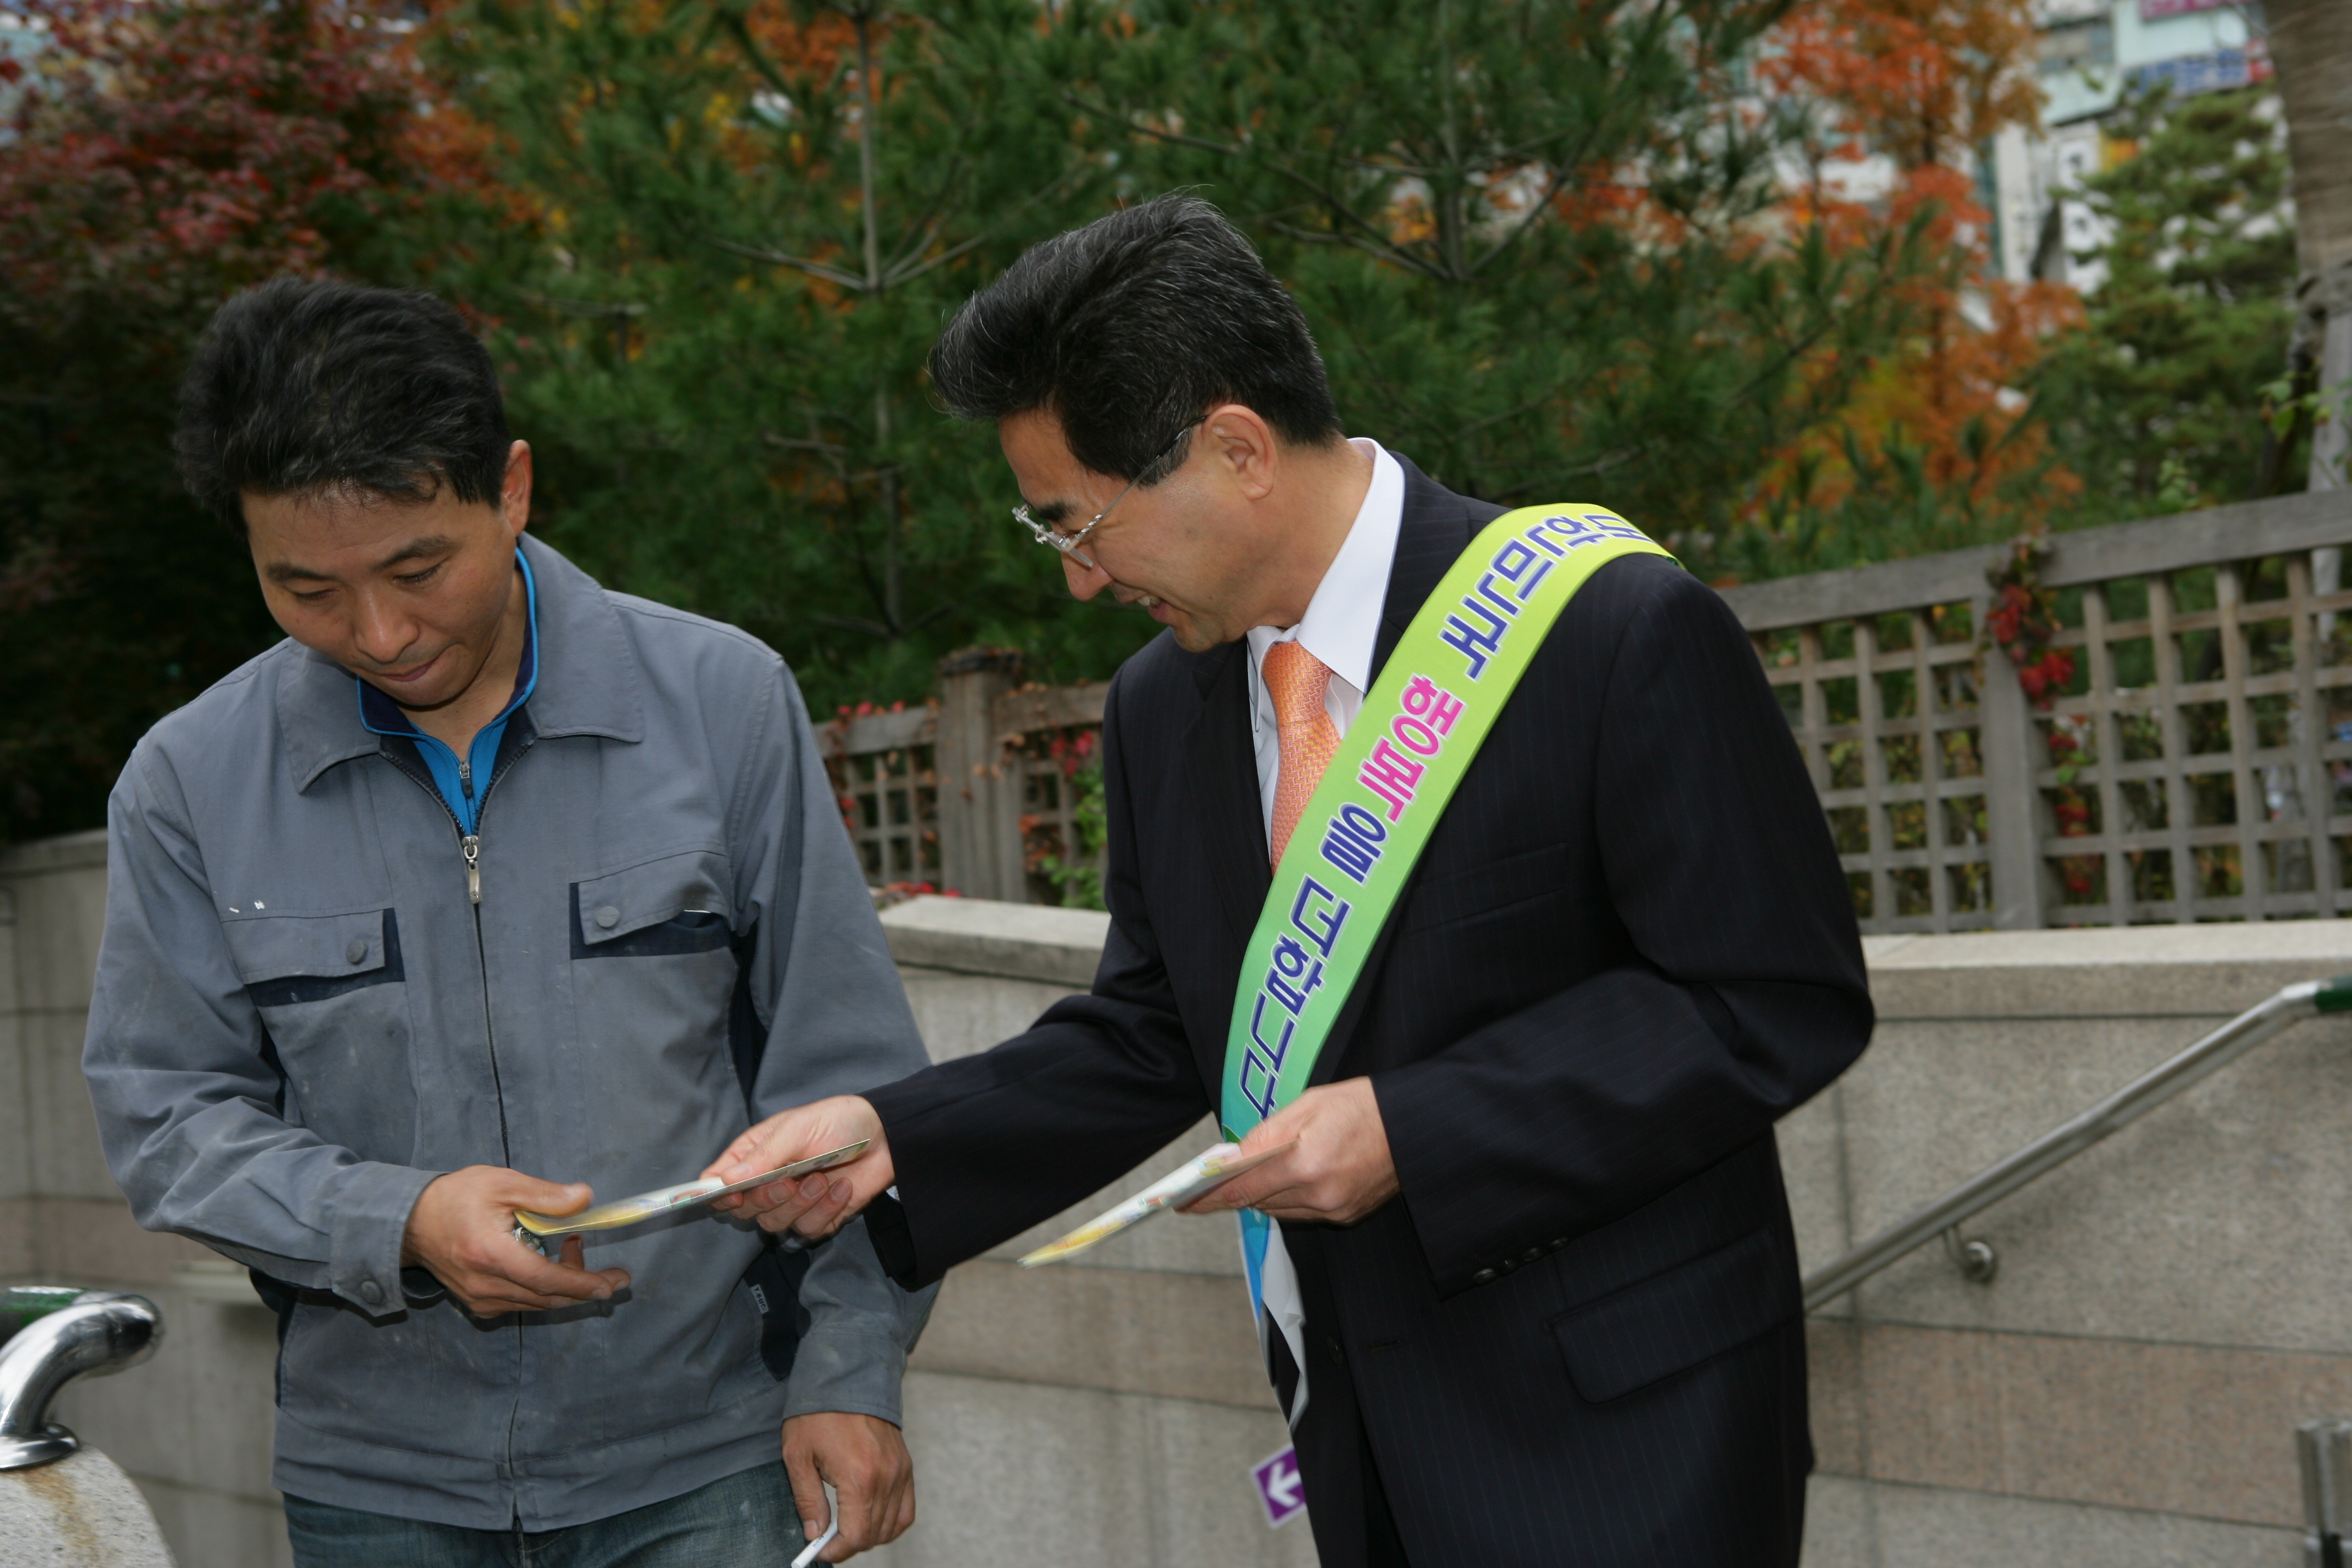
<point x="1492" y="889"/>
<point x="1670" y="1322"/>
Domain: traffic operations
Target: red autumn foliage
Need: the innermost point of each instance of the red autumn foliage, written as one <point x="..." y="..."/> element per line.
<point x="162" y="156"/>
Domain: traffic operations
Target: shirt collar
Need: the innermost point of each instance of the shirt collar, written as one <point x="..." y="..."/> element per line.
<point x="1341" y="627"/>
<point x="383" y="715"/>
<point x="578" y="633"/>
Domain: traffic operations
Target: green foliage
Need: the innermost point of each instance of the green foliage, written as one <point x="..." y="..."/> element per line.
<point x="1528" y="237"/>
<point x="1079" y="876"/>
<point x="1540" y="244"/>
<point x="717" y="351"/>
<point x="2161" y="402"/>
<point x="1890" y="505"/>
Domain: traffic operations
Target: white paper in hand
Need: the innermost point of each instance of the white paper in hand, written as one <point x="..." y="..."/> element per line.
<point x="1196" y="1177"/>
<point x="808" y="1552"/>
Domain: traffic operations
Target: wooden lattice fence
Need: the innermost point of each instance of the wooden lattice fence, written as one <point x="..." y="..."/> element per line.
<point x="976" y="790"/>
<point x="2197" y="764"/>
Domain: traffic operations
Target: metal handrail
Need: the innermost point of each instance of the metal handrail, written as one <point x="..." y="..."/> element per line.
<point x="2120" y="1110"/>
<point x="96" y="1333"/>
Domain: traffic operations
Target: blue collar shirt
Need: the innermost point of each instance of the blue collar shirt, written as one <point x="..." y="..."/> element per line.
<point x="454" y="776"/>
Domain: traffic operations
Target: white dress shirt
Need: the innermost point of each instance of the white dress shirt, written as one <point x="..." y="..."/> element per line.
<point x="1342" y="624"/>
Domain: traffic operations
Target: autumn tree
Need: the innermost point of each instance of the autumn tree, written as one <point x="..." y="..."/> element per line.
<point x="156" y="158"/>
<point x="1939" y="446"/>
<point x="1546" y="247"/>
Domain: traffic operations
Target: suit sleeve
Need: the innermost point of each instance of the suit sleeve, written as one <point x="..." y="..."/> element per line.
<point x="987" y="1146"/>
<point x="1746" y="997"/>
<point x="833" y="1014"/>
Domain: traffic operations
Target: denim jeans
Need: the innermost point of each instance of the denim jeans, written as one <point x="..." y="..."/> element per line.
<point x="744" y="1520"/>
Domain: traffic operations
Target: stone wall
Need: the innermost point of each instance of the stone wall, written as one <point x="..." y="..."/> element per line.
<point x="2166" y="1308"/>
<point x="2125" y="1390"/>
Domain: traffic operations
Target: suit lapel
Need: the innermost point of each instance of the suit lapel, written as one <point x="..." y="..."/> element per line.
<point x="1221" y="770"/>
<point x="1437" y="527"/>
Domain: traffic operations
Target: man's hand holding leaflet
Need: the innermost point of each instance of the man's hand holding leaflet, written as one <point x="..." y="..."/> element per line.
<point x="624" y="1211"/>
<point x="819" y="1204"/>
<point x="462" y="1231"/>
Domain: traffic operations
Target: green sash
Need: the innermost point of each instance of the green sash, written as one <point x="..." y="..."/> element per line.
<point x="1356" y="842"/>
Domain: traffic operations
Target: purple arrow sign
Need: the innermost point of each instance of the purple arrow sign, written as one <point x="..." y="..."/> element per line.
<point x="1279" y="1486"/>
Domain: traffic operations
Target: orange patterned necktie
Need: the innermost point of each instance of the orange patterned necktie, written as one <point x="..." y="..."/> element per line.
<point x="1297" y="680"/>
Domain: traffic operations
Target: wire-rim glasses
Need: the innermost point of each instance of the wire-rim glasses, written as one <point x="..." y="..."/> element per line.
<point x="1067" y="543"/>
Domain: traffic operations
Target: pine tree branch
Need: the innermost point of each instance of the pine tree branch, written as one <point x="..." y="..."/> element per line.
<point x="918" y="232"/>
<point x="917" y="268"/>
<point x="832" y="275"/>
<point x="1385" y="252"/>
<point x="1330" y="199"/>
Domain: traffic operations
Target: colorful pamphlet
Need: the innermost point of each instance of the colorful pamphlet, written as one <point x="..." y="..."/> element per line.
<point x="667" y="1200"/>
<point x="1196" y="1177"/>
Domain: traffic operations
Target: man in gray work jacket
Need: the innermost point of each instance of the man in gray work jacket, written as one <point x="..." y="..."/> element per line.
<point x="487" y="880"/>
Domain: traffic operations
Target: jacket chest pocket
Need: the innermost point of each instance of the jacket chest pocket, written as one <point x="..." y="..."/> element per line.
<point x="653" y="972"/>
<point x="296" y="961"/>
<point x="667" y="907"/>
<point x="332" y="994"/>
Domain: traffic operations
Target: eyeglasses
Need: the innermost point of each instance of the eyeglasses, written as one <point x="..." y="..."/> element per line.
<point x="1067" y="543"/>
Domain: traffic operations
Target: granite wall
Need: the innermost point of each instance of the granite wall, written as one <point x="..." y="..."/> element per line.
<point x="2124" y="1392"/>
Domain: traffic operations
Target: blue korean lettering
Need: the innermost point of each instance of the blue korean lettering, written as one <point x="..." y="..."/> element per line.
<point x="1262" y="1098"/>
<point x="1502" y="601"/>
<point x="1295" y="975"/>
<point x="1322" y="928"/>
<point x="1352" y="841"/>
<point x="1280" y="1049"/>
<point x="1512" y="563"/>
<point x="1475" y="644"/>
<point x="1573" y="531"/>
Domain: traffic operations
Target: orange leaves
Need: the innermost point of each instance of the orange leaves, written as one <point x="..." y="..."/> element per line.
<point x="1918" y="81"/>
<point x="1914" y="86"/>
<point x="814" y="50"/>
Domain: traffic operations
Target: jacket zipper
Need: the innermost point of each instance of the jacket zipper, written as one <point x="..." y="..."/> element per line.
<point x="469" y="844"/>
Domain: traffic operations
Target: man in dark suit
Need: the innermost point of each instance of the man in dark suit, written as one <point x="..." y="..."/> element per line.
<point x="1535" y="1263"/>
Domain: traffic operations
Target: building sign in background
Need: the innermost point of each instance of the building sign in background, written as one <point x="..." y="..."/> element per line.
<point x="2191" y="74"/>
<point x="2151" y="10"/>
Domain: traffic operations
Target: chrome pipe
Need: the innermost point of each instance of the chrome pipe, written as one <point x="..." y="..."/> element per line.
<point x="2120" y="1110"/>
<point x="98" y="1333"/>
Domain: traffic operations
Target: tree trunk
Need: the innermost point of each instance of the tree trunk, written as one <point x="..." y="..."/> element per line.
<point x="2311" y="46"/>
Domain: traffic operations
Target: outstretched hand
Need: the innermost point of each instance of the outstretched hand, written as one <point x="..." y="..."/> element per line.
<point x="462" y="1229"/>
<point x="823" y="1201"/>
<point x="1339" y="1172"/>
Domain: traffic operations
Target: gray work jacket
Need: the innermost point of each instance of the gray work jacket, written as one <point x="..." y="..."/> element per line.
<point x="301" y="1017"/>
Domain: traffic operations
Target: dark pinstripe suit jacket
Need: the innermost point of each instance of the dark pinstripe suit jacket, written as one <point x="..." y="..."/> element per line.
<point x="1575" y="1337"/>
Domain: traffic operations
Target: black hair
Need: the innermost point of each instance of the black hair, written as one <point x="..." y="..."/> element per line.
<point x="1131" y="329"/>
<point x="302" y="387"/>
